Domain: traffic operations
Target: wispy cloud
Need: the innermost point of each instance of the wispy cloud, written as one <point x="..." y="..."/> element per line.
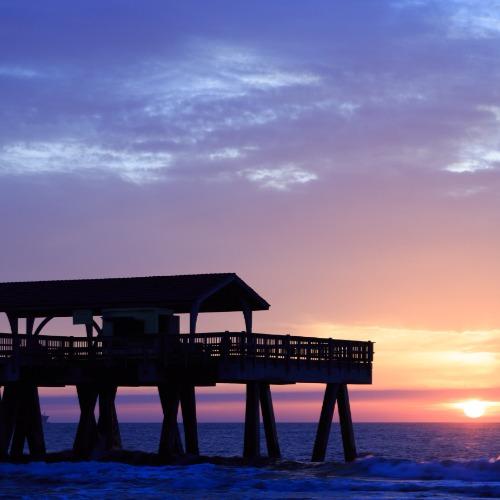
<point x="18" y="72"/>
<point x="475" y="158"/>
<point x="73" y="156"/>
<point x="226" y="154"/>
<point x="281" y="178"/>
<point x="466" y="192"/>
<point x="473" y="19"/>
<point x="465" y="19"/>
<point x="212" y="73"/>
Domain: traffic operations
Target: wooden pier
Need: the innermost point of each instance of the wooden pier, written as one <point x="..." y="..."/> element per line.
<point x="138" y="343"/>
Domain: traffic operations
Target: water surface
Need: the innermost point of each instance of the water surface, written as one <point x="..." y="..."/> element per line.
<point x="445" y="461"/>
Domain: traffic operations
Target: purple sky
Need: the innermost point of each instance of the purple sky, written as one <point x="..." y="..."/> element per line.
<point x="342" y="157"/>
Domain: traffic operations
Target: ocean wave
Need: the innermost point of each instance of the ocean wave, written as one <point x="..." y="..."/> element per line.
<point x="370" y="477"/>
<point x="487" y="469"/>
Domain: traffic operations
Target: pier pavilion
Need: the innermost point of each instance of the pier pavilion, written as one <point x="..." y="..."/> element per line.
<point x="132" y="338"/>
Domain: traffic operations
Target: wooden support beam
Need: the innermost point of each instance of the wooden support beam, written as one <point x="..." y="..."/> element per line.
<point x="325" y="423"/>
<point x="2" y="422"/>
<point x="188" y="406"/>
<point x="26" y="422"/>
<point x="89" y="328"/>
<point x="193" y="317"/>
<point x="30" y="323"/>
<point x="170" y="440"/>
<point x="34" y="424"/>
<point x="8" y="413"/>
<point x="346" y="427"/>
<point x="247" y="315"/>
<point x="42" y="324"/>
<point x="117" y="438"/>
<point x="108" y="430"/>
<point x="86" y="434"/>
<point x="20" y="425"/>
<point x="14" y="323"/>
<point x="266" y="404"/>
<point x="251" y="447"/>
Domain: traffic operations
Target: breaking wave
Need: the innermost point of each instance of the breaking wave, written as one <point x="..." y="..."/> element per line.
<point x="370" y="477"/>
<point x="472" y="470"/>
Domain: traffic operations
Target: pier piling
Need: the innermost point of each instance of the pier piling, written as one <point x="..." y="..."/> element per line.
<point x="188" y="407"/>
<point x="266" y="403"/>
<point x="21" y="421"/>
<point x="18" y="438"/>
<point x="34" y="425"/>
<point x="251" y="447"/>
<point x="8" y="413"/>
<point x="346" y="427"/>
<point x="325" y="423"/>
<point x="108" y="430"/>
<point x="86" y="433"/>
<point x="170" y="440"/>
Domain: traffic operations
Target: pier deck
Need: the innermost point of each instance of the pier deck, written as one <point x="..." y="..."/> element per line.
<point x="202" y="359"/>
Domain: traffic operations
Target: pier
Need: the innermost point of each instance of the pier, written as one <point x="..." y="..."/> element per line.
<point x="132" y="339"/>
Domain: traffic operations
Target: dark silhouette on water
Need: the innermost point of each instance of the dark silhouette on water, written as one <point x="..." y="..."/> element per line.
<point x="140" y="344"/>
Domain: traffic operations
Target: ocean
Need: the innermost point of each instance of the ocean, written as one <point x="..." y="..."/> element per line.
<point x="442" y="461"/>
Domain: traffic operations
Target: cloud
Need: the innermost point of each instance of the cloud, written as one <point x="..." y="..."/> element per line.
<point x="466" y="192"/>
<point x="472" y="19"/>
<point x="281" y="178"/>
<point x="211" y="73"/>
<point x="226" y="154"/>
<point x="494" y="110"/>
<point x="18" y="72"/>
<point x="73" y="156"/>
<point x="454" y="356"/>
<point x="475" y="158"/>
<point x="139" y="120"/>
<point x="460" y="19"/>
<point x="190" y="102"/>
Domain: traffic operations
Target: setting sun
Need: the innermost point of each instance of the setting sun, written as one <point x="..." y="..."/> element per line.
<point x="473" y="408"/>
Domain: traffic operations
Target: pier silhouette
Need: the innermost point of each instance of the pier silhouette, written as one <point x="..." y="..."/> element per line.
<point x="139" y="344"/>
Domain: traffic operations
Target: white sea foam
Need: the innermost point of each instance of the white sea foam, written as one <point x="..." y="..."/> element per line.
<point x="471" y="470"/>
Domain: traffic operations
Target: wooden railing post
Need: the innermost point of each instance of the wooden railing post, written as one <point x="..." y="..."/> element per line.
<point x="287" y="351"/>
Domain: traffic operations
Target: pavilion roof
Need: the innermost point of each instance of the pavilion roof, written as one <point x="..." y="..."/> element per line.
<point x="216" y="292"/>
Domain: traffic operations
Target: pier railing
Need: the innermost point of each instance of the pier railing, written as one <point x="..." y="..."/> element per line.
<point x="185" y="347"/>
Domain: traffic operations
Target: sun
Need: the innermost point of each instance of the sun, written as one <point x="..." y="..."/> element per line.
<point x="473" y="408"/>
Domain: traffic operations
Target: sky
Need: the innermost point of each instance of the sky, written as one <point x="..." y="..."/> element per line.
<point x="342" y="157"/>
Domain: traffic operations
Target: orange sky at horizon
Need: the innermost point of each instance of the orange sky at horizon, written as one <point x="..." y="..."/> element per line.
<point x="419" y="376"/>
